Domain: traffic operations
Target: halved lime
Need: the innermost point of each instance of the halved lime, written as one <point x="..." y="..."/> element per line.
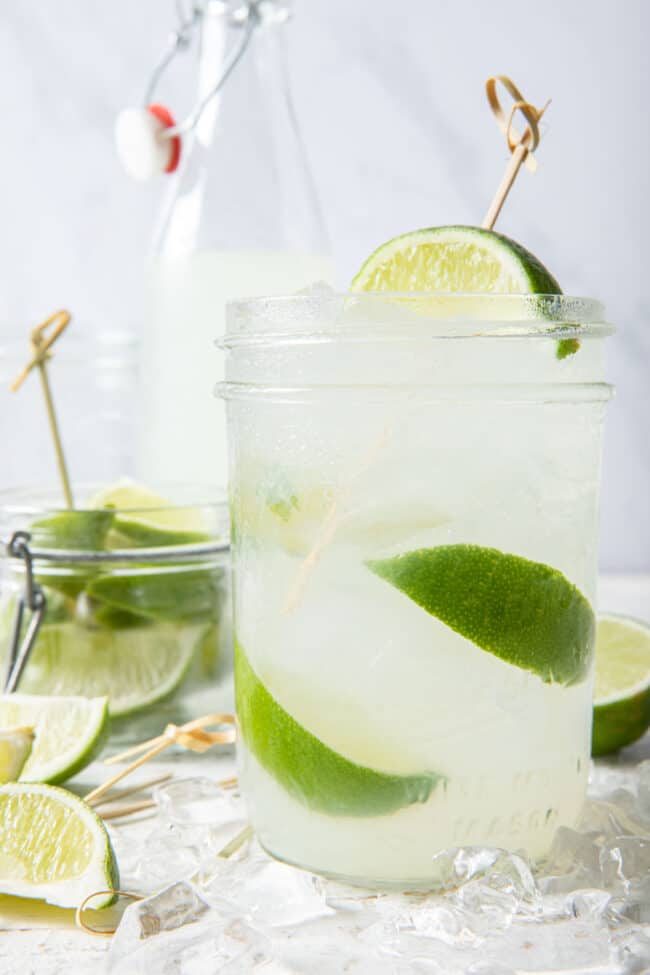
<point x="132" y="667"/>
<point x="455" y="259"/>
<point x="143" y="518"/>
<point x="15" y="746"/>
<point x="69" y="733"/>
<point x="524" y="612"/>
<point x="622" y="685"/>
<point x="53" y="847"/>
<point x="310" y="771"/>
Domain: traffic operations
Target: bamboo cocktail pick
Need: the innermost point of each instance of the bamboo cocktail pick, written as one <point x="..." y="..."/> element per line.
<point x="42" y="339"/>
<point x="521" y="146"/>
<point x="193" y="735"/>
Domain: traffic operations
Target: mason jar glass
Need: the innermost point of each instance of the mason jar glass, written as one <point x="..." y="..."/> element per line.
<point x="414" y="504"/>
<point x="136" y="605"/>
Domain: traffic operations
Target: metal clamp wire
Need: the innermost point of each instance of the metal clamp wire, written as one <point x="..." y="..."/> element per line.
<point x="32" y="599"/>
<point x="180" y="40"/>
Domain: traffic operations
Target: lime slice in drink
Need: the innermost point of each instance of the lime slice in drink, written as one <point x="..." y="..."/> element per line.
<point x="132" y="667"/>
<point x="15" y="746"/>
<point x="622" y="686"/>
<point x="53" y="847"/>
<point x="310" y="771"/>
<point x="69" y="733"/>
<point x="524" y="612"/>
<point x="144" y="519"/>
<point x="456" y="260"/>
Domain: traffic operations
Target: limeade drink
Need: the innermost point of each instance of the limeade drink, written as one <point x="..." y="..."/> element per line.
<point x="414" y="487"/>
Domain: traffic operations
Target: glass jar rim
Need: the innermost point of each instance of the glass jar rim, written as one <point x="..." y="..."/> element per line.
<point x="384" y="315"/>
<point x="21" y="508"/>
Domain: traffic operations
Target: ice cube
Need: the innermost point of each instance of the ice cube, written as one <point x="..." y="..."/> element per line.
<point x="174" y="907"/>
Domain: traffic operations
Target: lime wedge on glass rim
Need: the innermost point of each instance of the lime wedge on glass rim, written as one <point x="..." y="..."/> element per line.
<point x="68" y="733"/>
<point x="53" y="847"/>
<point x="459" y="260"/>
<point x="622" y="683"/>
<point x="455" y="259"/>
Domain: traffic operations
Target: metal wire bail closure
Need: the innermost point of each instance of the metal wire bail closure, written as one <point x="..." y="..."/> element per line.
<point x="32" y="599"/>
<point x="148" y="138"/>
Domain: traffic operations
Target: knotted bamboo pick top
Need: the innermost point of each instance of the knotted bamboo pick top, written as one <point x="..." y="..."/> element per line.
<point x="193" y="735"/>
<point x="42" y="338"/>
<point x="520" y="144"/>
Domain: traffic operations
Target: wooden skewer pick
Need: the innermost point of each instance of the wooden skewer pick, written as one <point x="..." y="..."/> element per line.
<point x="521" y="145"/>
<point x="192" y="735"/>
<point x="41" y="345"/>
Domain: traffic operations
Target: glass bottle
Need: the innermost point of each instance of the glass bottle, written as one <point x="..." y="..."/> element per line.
<point x="241" y="219"/>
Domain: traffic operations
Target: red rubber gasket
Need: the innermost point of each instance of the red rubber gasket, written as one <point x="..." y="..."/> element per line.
<point x="165" y="116"/>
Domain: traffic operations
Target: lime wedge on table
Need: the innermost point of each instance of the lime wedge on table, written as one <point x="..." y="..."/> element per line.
<point x="133" y="668"/>
<point x="524" y="612"/>
<point x="143" y="518"/>
<point x="69" y="733"/>
<point x="310" y="771"/>
<point x="15" y="746"/>
<point x="459" y="260"/>
<point x="53" y="847"/>
<point x="622" y="686"/>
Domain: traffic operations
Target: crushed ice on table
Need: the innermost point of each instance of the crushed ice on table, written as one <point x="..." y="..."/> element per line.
<point x="586" y="909"/>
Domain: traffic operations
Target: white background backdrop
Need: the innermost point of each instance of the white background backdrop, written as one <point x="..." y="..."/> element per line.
<point x="390" y="99"/>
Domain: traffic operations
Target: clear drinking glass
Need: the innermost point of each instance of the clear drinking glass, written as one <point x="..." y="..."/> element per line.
<point x="135" y="605"/>
<point x="414" y="495"/>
